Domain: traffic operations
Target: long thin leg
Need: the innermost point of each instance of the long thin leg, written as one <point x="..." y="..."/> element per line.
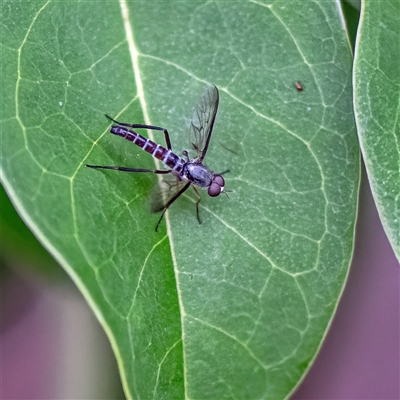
<point x="197" y="204"/>
<point x="170" y="202"/>
<point x="152" y="127"/>
<point x="127" y="169"/>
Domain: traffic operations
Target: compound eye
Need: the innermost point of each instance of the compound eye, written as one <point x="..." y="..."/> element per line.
<point x="214" y="189"/>
<point x="219" y="180"/>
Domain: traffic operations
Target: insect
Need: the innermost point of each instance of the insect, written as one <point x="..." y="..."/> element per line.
<point x="182" y="172"/>
<point x="299" y="86"/>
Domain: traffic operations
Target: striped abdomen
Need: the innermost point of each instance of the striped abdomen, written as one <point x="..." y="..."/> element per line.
<point x="166" y="156"/>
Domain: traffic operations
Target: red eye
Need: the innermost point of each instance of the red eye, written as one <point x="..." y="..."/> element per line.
<point x="219" y="180"/>
<point x="216" y="186"/>
<point x="214" y="189"/>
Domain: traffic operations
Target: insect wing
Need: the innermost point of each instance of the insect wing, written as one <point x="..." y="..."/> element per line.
<point x="165" y="191"/>
<point x="203" y="121"/>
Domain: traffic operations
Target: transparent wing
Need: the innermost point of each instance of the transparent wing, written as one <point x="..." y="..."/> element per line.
<point x="167" y="190"/>
<point x="203" y="121"/>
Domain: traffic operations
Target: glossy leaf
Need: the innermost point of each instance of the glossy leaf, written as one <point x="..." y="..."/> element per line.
<point x="376" y="103"/>
<point x="235" y="307"/>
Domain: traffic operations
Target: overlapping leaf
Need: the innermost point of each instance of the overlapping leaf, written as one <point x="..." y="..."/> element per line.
<point x="376" y="103"/>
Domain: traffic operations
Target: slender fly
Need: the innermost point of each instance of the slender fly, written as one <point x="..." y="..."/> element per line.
<point x="182" y="172"/>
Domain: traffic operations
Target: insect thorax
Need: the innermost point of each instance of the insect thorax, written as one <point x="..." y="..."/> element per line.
<point x="198" y="174"/>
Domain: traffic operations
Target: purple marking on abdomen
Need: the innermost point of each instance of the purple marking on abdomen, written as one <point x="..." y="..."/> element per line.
<point x="171" y="160"/>
<point x="159" y="153"/>
<point x="150" y="146"/>
<point x="166" y="156"/>
<point x="146" y="144"/>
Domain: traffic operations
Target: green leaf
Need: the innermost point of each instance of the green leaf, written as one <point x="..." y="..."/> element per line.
<point x="376" y="103"/>
<point x="19" y="245"/>
<point x="235" y="307"/>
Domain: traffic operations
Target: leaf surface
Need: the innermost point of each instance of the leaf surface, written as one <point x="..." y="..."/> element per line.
<point x="235" y="307"/>
<point x="377" y="108"/>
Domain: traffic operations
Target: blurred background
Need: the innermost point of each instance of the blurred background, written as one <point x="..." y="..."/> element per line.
<point x="52" y="346"/>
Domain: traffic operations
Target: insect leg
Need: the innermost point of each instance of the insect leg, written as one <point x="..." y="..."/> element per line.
<point x="152" y="127"/>
<point x="127" y="169"/>
<point x="197" y="204"/>
<point x="170" y="202"/>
